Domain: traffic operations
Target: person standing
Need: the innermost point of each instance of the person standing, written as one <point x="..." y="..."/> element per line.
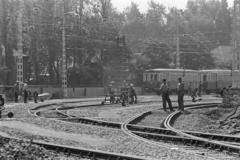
<point x="200" y="89"/>
<point x="2" y="102"/>
<point x="165" y="95"/>
<point x="132" y="94"/>
<point x="190" y="90"/>
<point x="25" y="95"/>
<point x="35" y="96"/>
<point x="16" y="92"/>
<point x="180" y="92"/>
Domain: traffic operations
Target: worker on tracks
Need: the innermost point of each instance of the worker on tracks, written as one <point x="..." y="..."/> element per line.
<point x="35" y="96"/>
<point x="132" y="94"/>
<point x="2" y="102"/>
<point x="164" y="90"/>
<point x="180" y="92"/>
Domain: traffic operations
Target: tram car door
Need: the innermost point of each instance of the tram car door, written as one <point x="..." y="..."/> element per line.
<point x="205" y="83"/>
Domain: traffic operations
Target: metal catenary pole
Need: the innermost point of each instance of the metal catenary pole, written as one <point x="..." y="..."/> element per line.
<point x="64" y="67"/>
<point x="177" y="41"/>
<point x="19" y="54"/>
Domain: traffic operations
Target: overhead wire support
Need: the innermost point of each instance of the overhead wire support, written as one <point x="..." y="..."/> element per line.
<point x="177" y="43"/>
<point x="64" y="67"/>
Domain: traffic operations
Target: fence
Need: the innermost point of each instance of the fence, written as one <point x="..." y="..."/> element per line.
<point x="76" y="92"/>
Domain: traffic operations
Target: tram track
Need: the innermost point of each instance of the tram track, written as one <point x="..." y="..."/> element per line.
<point x="162" y="134"/>
<point x="194" y="142"/>
<point x="61" y="116"/>
<point x="79" y="152"/>
<point x="92" y="154"/>
<point x="211" y="141"/>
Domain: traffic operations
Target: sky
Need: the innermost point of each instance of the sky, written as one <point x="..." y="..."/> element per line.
<point x="120" y="5"/>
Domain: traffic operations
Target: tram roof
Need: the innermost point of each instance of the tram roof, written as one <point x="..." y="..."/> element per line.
<point x="216" y="70"/>
<point x="170" y="70"/>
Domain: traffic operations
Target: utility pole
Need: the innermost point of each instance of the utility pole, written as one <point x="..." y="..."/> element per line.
<point x="64" y="66"/>
<point x="177" y="43"/>
<point x="236" y="36"/>
<point x="19" y="53"/>
<point x="81" y="14"/>
<point x="236" y="44"/>
<point x="177" y="53"/>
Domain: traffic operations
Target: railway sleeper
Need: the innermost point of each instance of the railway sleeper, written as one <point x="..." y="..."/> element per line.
<point x="93" y="157"/>
<point x="213" y="146"/>
<point x="80" y="154"/>
<point x="68" y="152"/>
<point x="197" y="143"/>
<point x="169" y="139"/>
<point x="185" y="141"/>
<point x="233" y="151"/>
<point x="192" y="141"/>
<point x="206" y="145"/>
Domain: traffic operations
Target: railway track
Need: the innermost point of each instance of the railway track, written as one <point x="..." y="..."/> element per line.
<point x="217" y="142"/>
<point x="79" y="152"/>
<point x="192" y="145"/>
<point x="58" y="114"/>
<point x="194" y="142"/>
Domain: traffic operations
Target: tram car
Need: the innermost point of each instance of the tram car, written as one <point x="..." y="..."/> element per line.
<point x="152" y="78"/>
<point x="211" y="80"/>
<point x="215" y="79"/>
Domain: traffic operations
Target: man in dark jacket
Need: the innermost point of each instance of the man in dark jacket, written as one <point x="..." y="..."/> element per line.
<point x="2" y="101"/>
<point x="25" y="95"/>
<point x="16" y="92"/>
<point x="180" y="92"/>
<point x="35" y="96"/>
<point x="165" y="95"/>
<point x="132" y="94"/>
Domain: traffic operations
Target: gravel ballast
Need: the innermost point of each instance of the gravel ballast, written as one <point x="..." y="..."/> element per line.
<point x="119" y="141"/>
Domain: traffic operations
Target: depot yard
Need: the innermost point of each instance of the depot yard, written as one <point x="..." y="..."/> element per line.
<point x="27" y="126"/>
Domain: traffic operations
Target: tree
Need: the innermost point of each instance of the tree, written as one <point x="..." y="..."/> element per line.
<point x="223" y="24"/>
<point x="155" y="19"/>
<point x="158" y="53"/>
<point x="134" y="28"/>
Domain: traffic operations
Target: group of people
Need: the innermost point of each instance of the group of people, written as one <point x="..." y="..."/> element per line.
<point x="127" y="94"/>
<point x="164" y="89"/>
<point x="21" y="90"/>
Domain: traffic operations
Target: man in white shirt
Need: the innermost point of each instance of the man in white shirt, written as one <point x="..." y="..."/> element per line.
<point x="165" y="95"/>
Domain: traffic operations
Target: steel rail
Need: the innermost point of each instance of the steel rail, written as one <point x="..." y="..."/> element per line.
<point x="80" y="152"/>
<point x="150" y="140"/>
<point x="104" y="123"/>
<point x="69" y="118"/>
<point x="148" y="130"/>
<point x="164" y="131"/>
<point x="213" y="144"/>
<point x="187" y="141"/>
